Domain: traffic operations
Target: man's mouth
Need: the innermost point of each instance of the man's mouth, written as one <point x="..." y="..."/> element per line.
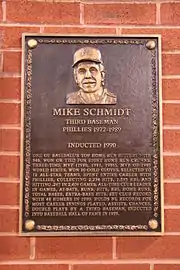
<point x="89" y="82"/>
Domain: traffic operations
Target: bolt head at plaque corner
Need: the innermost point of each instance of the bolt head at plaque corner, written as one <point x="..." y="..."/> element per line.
<point x="29" y="224"/>
<point x="32" y="43"/>
<point x="153" y="224"/>
<point x="151" y="44"/>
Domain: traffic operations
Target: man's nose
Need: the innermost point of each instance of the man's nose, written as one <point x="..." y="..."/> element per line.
<point x="88" y="73"/>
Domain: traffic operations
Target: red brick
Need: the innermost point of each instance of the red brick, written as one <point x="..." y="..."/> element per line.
<point x="120" y="13"/>
<point x="170" y="13"/>
<point x="12" y="36"/>
<point x="41" y="12"/>
<point x="171" y="114"/>
<point x="171" y="167"/>
<point x="9" y="193"/>
<point x="9" y="166"/>
<point x="74" y="248"/>
<point x="171" y="64"/>
<point x="171" y="140"/>
<point x="112" y="267"/>
<point x="167" y="267"/>
<point x="172" y="220"/>
<point x="79" y="30"/>
<point x="9" y="140"/>
<point x="164" y="247"/>
<point x="14" y="248"/>
<point x="171" y="193"/>
<point x="12" y="62"/>
<point x="9" y="220"/>
<point x="170" y="37"/>
<point x="171" y="89"/>
<point x="10" y="88"/>
<point x="10" y="113"/>
<point x="35" y="267"/>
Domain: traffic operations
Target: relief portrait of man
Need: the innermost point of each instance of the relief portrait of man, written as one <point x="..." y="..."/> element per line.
<point x="89" y="75"/>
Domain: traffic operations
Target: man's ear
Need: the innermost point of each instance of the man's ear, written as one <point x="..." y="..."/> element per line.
<point x="75" y="76"/>
<point x="103" y="76"/>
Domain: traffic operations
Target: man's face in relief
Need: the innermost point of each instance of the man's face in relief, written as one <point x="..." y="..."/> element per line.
<point x="88" y="76"/>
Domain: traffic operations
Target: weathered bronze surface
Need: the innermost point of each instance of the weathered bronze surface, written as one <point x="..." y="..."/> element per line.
<point x="91" y="144"/>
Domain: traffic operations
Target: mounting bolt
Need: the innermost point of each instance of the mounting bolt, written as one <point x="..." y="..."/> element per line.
<point x="151" y="44"/>
<point x="32" y="43"/>
<point x="29" y="224"/>
<point x="153" y="224"/>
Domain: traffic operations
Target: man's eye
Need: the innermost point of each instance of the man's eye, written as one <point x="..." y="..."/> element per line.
<point x="93" y="70"/>
<point x="81" y="71"/>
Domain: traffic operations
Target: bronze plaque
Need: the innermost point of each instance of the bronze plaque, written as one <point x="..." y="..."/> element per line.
<point x="91" y="159"/>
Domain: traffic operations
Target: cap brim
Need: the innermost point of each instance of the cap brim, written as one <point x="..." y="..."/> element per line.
<point x="85" y="60"/>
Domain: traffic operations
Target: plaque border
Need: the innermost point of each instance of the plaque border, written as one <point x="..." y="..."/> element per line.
<point x="23" y="185"/>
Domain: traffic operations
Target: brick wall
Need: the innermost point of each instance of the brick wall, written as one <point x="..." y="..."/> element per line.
<point x="87" y="17"/>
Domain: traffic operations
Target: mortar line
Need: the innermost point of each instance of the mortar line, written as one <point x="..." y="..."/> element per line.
<point x="81" y="18"/>
<point x="171" y="154"/>
<point x="9" y="153"/>
<point x="172" y="181"/>
<point x="158" y="13"/>
<point x="9" y="207"/>
<point x="32" y="248"/>
<point x="119" y="31"/>
<point x="10" y="75"/>
<point x="42" y="29"/>
<point x="9" y="234"/>
<point x="10" y="126"/>
<point x="11" y="50"/>
<point x="70" y="267"/>
<point x="172" y="234"/>
<point x="171" y="77"/>
<point x="176" y="101"/>
<point x="6" y="180"/>
<point x="4" y="10"/>
<point x="114" y="251"/>
<point x="154" y="26"/>
<point x="172" y="207"/>
<point x="171" y="52"/>
<point x="102" y="262"/>
<point x="171" y="127"/>
<point x="14" y="101"/>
